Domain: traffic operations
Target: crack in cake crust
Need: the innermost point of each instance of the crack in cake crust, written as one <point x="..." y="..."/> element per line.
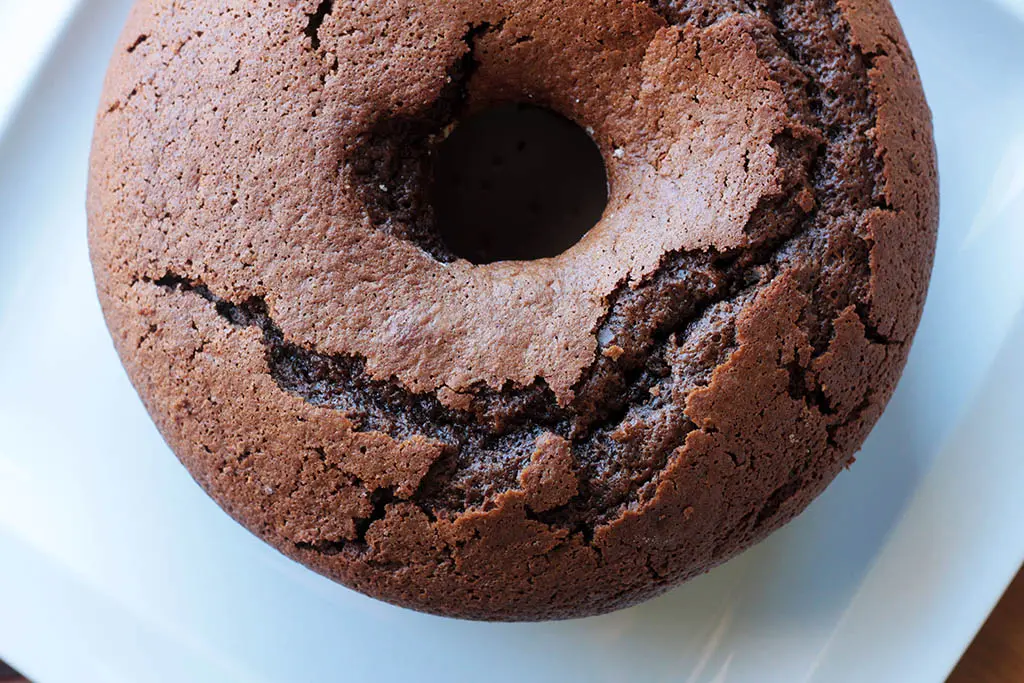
<point x="500" y="427"/>
<point x="504" y="425"/>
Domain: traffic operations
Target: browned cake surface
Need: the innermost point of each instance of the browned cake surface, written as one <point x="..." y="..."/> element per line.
<point x="516" y="440"/>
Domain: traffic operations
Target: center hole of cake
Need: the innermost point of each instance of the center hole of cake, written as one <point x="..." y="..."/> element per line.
<point x="517" y="183"/>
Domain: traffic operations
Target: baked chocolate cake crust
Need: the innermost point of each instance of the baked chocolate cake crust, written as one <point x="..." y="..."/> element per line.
<point x="515" y="440"/>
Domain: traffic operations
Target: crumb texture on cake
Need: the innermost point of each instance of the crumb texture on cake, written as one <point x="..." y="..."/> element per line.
<point x="515" y="440"/>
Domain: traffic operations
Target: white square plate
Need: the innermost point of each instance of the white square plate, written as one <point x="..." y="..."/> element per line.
<point x="115" y="567"/>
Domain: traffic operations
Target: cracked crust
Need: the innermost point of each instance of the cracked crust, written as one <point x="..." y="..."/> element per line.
<point x="515" y="440"/>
